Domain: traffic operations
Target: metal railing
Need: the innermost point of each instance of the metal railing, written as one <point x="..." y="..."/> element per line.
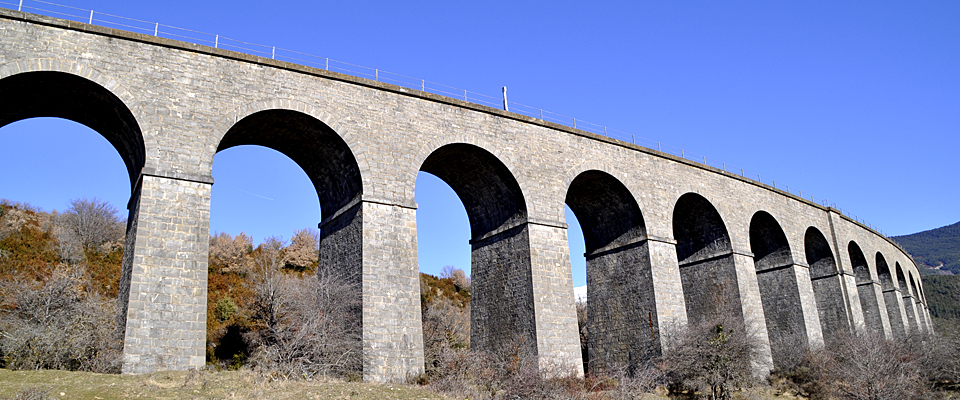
<point x="221" y="42"/>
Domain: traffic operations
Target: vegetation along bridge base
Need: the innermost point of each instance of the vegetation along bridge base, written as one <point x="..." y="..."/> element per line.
<point x="669" y="242"/>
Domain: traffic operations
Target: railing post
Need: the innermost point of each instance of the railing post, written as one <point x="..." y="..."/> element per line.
<point x="423" y="85"/>
<point x="91" y="17"/>
<point x="574" y="123"/>
<point x="506" y="107"/>
<point x="156" y="29"/>
<point x="273" y="54"/>
<point x="20" y="7"/>
<point x="376" y="74"/>
<point x="541" y="115"/>
<point x="327" y="65"/>
<point x="465" y="95"/>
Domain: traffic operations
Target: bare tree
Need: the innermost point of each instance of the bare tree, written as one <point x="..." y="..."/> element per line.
<point x="306" y="326"/>
<point x="90" y="224"/>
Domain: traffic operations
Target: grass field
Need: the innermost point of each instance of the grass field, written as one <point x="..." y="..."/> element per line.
<point x="194" y="385"/>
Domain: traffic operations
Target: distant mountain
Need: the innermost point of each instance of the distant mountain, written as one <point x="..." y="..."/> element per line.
<point x="937" y="249"/>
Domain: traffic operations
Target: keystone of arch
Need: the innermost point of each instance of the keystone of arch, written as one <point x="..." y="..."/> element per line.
<point x="151" y="154"/>
<point x="409" y="177"/>
<point x="332" y="121"/>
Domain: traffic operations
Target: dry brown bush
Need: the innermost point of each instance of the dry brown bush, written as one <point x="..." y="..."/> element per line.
<point x="865" y="366"/>
<point x="713" y="358"/>
<point x="59" y="324"/>
<point x="306" y="327"/>
<point x="229" y="253"/>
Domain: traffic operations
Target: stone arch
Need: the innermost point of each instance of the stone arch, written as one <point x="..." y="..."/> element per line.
<point x="892" y="298"/>
<point x="61" y="89"/>
<point x="502" y="298"/>
<point x="827" y="284"/>
<point x="331" y="124"/>
<point x="705" y="257"/>
<point x="322" y="154"/>
<point x="619" y="278"/>
<point x="869" y="291"/>
<point x="917" y="300"/>
<point x="430" y="148"/>
<point x="777" y="278"/>
<point x="330" y="165"/>
<point x="909" y="304"/>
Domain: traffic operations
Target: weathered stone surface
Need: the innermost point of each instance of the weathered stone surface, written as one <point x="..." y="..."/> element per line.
<point x="168" y="107"/>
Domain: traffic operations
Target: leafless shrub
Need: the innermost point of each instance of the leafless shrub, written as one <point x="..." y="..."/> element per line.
<point x="446" y="326"/>
<point x="584" y="334"/>
<point x="714" y="357"/>
<point x="307" y="327"/>
<point x="59" y="324"/>
<point x="866" y="366"/>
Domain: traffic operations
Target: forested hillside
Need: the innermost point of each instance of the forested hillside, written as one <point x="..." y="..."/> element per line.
<point x="943" y="296"/>
<point x="938" y="249"/>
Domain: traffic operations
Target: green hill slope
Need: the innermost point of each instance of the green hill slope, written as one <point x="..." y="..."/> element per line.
<point x="937" y="248"/>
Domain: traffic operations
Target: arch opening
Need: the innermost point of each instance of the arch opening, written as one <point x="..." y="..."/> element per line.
<point x="869" y="291"/>
<point x="502" y="304"/>
<point x="892" y="298"/>
<point x="38" y="99"/>
<point x="619" y="281"/>
<point x="827" y="284"/>
<point x="779" y="287"/>
<point x="284" y="141"/>
<point x="67" y="96"/>
<point x="909" y="303"/>
<point x="705" y="256"/>
<point x="918" y="302"/>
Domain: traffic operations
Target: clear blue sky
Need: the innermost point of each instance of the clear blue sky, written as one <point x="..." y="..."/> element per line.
<point x="856" y="102"/>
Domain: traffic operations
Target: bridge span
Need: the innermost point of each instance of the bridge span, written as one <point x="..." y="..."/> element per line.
<point x="669" y="242"/>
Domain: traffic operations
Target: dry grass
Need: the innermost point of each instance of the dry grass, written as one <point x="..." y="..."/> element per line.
<point x="195" y="385"/>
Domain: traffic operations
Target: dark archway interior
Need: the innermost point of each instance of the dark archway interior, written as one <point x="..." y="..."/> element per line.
<point x="883" y="272"/>
<point x="698" y="229"/>
<point x="913" y="287"/>
<point x="819" y="256"/>
<point x="705" y="256"/>
<point x="859" y="262"/>
<point x="502" y="304"/>
<point x="486" y="187"/>
<point x="901" y="281"/>
<point x="768" y="242"/>
<point x="777" y="281"/>
<point x="316" y="148"/>
<point x="608" y="213"/>
<point x="619" y="282"/>
<point x="63" y="95"/>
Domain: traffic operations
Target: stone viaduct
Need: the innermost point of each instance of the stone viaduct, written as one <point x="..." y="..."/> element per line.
<point x="669" y="241"/>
